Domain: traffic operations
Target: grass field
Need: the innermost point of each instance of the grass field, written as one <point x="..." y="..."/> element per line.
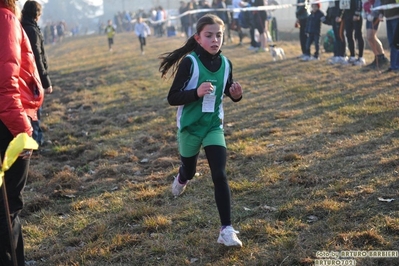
<point x="312" y="154"/>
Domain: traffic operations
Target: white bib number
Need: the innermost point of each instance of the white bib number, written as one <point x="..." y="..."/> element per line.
<point x="208" y="103"/>
<point x="345" y="4"/>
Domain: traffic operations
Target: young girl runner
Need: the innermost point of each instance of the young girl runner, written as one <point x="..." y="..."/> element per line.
<point x="202" y="76"/>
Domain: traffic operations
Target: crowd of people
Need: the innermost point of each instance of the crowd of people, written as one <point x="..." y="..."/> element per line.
<point x="234" y="21"/>
<point x="346" y="20"/>
<point x="54" y="32"/>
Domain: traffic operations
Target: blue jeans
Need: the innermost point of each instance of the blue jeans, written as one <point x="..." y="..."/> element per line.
<point x="313" y="38"/>
<point x="37" y="133"/>
<point x="391" y="27"/>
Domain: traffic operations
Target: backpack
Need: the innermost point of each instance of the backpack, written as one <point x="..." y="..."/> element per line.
<point x="328" y="41"/>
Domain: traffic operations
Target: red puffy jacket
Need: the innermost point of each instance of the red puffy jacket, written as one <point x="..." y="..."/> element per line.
<point x="21" y="92"/>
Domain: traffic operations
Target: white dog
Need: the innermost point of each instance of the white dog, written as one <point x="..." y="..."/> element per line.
<point x="277" y="52"/>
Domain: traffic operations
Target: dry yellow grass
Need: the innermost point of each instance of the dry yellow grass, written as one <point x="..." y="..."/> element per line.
<point x="311" y="148"/>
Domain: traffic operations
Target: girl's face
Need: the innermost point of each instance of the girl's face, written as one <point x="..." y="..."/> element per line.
<point x="210" y="38"/>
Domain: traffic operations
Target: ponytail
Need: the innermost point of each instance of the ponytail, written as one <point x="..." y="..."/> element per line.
<point x="172" y="59"/>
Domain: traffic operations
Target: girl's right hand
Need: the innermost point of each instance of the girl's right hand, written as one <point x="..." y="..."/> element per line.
<point x="204" y="88"/>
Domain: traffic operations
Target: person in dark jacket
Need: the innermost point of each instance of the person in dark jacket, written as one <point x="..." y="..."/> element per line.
<point x="351" y="16"/>
<point x="313" y="29"/>
<point x="302" y="14"/>
<point x="30" y="15"/>
<point x="225" y="16"/>
<point x="333" y="12"/>
<point x="392" y="23"/>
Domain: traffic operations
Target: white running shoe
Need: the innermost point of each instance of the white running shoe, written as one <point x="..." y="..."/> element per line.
<point x="228" y="237"/>
<point x="332" y="60"/>
<point x="360" y="62"/>
<point x="352" y="60"/>
<point x="305" y="58"/>
<point x="313" y="58"/>
<point x="177" y="188"/>
<point x="344" y="60"/>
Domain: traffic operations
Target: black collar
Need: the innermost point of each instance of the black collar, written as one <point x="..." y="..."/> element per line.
<point x="202" y="53"/>
<point x="28" y="21"/>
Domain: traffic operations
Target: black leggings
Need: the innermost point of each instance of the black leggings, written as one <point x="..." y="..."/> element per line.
<point x="216" y="156"/>
<point x="354" y="26"/>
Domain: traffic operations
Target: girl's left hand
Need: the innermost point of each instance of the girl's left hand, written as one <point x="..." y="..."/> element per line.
<point x="235" y="90"/>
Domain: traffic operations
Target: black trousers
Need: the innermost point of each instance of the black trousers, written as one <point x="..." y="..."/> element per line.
<point x="15" y="180"/>
<point x="216" y="156"/>
<point x="142" y="41"/>
<point x="302" y="35"/>
<point x="353" y="30"/>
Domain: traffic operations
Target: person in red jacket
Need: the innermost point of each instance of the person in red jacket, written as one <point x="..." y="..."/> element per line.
<point x="21" y="94"/>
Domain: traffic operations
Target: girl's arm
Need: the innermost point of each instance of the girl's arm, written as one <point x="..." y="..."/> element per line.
<point x="177" y="93"/>
<point x="232" y="88"/>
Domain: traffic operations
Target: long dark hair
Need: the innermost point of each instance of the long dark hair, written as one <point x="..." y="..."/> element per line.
<point x="172" y="59"/>
<point x="31" y="10"/>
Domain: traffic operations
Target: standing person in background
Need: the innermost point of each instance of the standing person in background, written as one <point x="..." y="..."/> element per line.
<point x="110" y="31"/>
<point x="183" y="19"/>
<point x="249" y="17"/>
<point x="30" y="16"/>
<point x="160" y="21"/>
<point x="396" y="38"/>
<point x="353" y="24"/>
<point x="302" y="14"/>
<point x="313" y="29"/>
<point x="333" y="12"/>
<point x="60" y="31"/>
<point x="21" y="94"/>
<point x="203" y="5"/>
<point x="260" y="17"/>
<point x="190" y="20"/>
<point x="225" y="16"/>
<point x="142" y="30"/>
<point x="238" y="4"/>
<point x="203" y="76"/>
<point x="372" y="24"/>
<point x="392" y="22"/>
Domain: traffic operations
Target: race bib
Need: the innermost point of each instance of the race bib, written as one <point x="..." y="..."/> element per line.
<point x="345" y="4"/>
<point x="208" y="103"/>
